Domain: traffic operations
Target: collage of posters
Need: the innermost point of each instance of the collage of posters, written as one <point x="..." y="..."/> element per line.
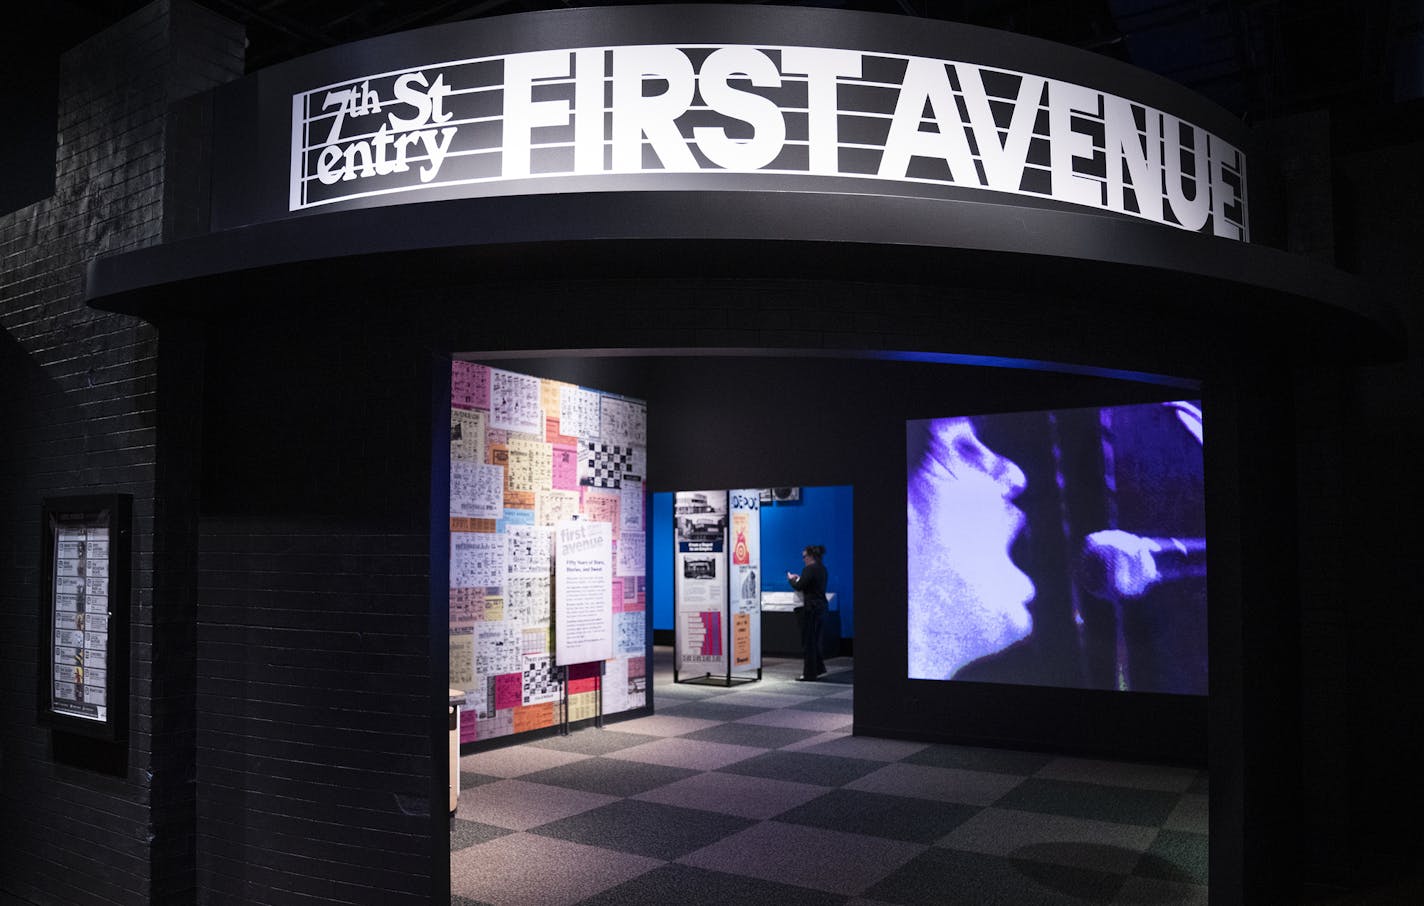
<point x="527" y="456"/>
<point x="81" y="621"/>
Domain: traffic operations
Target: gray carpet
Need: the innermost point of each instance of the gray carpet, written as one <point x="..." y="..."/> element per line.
<point x="759" y="794"/>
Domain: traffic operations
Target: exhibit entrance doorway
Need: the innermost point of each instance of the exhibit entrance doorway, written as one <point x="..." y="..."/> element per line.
<point x="814" y="424"/>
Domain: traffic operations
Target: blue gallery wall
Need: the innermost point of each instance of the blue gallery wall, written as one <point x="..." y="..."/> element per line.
<point x="824" y="516"/>
<point x="660" y="560"/>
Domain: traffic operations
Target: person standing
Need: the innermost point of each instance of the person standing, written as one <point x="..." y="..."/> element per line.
<point x="812" y="585"/>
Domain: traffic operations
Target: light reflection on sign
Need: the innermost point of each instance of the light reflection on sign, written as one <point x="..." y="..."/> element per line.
<point x="771" y="111"/>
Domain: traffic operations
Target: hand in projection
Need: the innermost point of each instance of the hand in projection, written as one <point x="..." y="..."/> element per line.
<point x="1118" y="564"/>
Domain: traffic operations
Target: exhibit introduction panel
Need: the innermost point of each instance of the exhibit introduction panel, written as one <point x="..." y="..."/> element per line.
<point x="583" y="592"/>
<point x="1062" y="548"/>
<point x="531" y="459"/>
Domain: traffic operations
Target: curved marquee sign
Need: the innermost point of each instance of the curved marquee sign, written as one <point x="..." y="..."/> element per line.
<point x="859" y="110"/>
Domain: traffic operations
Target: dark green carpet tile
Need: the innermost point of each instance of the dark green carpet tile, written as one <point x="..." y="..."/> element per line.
<point x="610" y="776"/>
<point x="751" y="735"/>
<point x="1121" y="805"/>
<point x="877" y="815"/>
<point x="829" y="705"/>
<point x="801" y="767"/>
<point x="1176" y="856"/>
<point x="710" y="711"/>
<point x="644" y="828"/>
<point x="942" y="877"/>
<point x="469" y="779"/>
<point x="1000" y="761"/>
<point x="592" y="741"/>
<point x="468" y="833"/>
<point x="683" y="885"/>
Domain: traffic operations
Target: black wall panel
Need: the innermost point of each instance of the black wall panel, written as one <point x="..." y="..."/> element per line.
<point x="314" y="755"/>
<point x="88" y="822"/>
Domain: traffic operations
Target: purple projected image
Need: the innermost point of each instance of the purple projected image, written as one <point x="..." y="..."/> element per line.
<point x="1062" y="548"/>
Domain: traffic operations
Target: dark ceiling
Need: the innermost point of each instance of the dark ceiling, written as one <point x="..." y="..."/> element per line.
<point x="1362" y="61"/>
<point x="1257" y="58"/>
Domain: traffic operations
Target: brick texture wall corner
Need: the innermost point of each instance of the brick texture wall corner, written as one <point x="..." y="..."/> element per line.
<point x="83" y="823"/>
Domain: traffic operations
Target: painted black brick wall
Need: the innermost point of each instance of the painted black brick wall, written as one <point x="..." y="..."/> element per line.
<point x="82" y="822"/>
<point x="314" y="753"/>
<point x="1377" y="624"/>
<point x="314" y="703"/>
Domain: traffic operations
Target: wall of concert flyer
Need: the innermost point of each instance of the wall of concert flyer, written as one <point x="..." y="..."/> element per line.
<point x="81" y="622"/>
<point x="745" y="579"/>
<point x="531" y="459"/>
<point x="83" y="603"/>
<point x="583" y="592"/>
<point x="700" y="579"/>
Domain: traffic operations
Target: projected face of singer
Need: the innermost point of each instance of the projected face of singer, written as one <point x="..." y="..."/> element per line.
<point x="966" y="597"/>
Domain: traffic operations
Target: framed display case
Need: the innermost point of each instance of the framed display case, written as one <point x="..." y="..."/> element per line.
<point x="84" y="614"/>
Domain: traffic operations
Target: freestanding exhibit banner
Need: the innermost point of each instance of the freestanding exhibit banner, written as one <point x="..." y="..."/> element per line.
<point x="700" y="529"/>
<point x="745" y="576"/>
<point x="718" y="623"/>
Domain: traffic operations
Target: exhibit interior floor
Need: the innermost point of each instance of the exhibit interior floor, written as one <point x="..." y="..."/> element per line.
<point x="760" y="794"/>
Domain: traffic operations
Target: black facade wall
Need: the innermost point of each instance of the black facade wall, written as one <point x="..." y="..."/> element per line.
<point x="1356" y="442"/>
<point x="314" y="707"/>
<point x="1379" y="626"/>
<point x="92" y="822"/>
<point x="313" y="731"/>
<point x="1255" y="631"/>
<point x="1292" y="170"/>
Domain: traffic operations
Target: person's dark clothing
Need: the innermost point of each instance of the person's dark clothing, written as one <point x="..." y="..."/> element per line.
<point x="811" y="621"/>
<point x="812" y="586"/>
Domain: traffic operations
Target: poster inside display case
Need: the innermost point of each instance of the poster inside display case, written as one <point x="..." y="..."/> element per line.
<point x="84" y="591"/>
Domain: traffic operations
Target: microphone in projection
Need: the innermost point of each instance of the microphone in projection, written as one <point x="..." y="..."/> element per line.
<point x="1118" y="564"/>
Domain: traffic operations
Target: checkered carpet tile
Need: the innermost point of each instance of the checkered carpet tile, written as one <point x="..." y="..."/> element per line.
<point x="759" y="794"/>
